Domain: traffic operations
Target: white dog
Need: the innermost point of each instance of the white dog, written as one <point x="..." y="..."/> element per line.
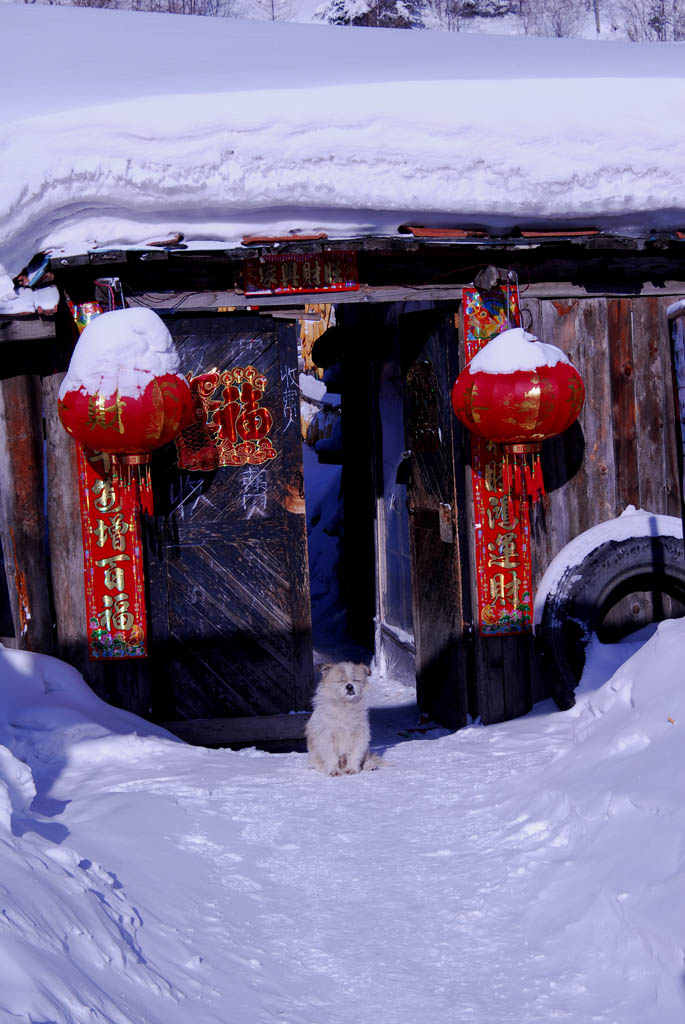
<point x="338" y="732"/>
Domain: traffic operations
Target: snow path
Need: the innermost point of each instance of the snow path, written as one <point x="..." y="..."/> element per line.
<point x="474" y="878"/>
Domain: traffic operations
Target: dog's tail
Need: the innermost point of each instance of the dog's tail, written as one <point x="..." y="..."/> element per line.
<point x="371" y="762"/>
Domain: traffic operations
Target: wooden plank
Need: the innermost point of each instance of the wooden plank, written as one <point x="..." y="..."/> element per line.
<point x="648" y="341"/>
<point x="155" y="544"/>
<point x="237" y="636"/>
<point x="428" y="340"/>
<point x="624" y="401"/>
<point x="22" y="520"/>
<point x="28" y="329"/>
<point x="655" y="443"/>
<point x="672" y="439"/>
<point x="295" y="520"/>
<point x="213" y="301"/>
<point x="227" y="732"/>
<point x="65" y="542"/>
<point x="579" y="465"/>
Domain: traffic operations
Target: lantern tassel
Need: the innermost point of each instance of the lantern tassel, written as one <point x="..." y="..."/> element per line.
<point x="506" y="475"/>
<point x="145" y="490"/>
<point x="518" y="480"/>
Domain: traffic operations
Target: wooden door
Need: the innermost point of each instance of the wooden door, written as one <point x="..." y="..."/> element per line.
<point x="435" y="499"/>
<point x="231" y="616"/>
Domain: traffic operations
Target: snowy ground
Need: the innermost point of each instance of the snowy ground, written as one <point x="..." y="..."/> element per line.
<point x="514" y="874"/>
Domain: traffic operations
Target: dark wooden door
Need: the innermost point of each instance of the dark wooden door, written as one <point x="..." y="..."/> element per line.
<point x="429" y="355"/>
<point x="231" y="616"/>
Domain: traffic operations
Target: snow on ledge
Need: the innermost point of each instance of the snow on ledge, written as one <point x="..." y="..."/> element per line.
<point x="631" y="523"/>
<point x="30" y="300"/>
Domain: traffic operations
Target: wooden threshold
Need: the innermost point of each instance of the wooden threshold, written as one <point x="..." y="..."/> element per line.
<point x="268" y="732"/>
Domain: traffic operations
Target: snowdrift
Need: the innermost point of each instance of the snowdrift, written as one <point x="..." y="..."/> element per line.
<point x="529" y="871"/>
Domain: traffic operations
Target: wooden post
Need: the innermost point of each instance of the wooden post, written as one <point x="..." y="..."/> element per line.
<point x="65" y="545"/>
<point x="296" y="537"/>
<point x="22" y="520"/>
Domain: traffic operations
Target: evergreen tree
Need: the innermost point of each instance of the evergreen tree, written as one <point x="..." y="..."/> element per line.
<point x="373" y="13"/>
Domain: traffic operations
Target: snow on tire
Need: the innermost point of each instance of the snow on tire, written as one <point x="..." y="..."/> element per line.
<point x="636" y="552"/>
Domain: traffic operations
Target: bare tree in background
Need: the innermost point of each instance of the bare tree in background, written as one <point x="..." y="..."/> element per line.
<point x="653" y="20"/>
<point x="211" y="8"/>
<point x="556" y="18"/>
<point x="272" y="10"/>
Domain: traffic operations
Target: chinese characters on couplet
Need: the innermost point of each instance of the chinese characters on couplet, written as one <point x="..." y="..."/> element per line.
<point x="503" y="539"/>
<point x="113" y="561"/>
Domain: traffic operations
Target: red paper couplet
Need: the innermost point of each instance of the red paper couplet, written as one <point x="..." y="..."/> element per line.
<point x="112" y="560"/>
<point x="502" y="522"/>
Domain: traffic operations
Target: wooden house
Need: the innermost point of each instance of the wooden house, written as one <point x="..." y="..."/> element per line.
<point x="225" y="553"/>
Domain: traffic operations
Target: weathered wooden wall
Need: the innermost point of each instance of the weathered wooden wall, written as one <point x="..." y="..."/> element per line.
<point x="622" y="451"/>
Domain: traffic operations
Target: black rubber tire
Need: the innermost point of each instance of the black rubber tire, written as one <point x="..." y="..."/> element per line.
<point x="586" y="592"/>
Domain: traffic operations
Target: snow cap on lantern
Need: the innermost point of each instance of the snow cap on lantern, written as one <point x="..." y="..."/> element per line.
<point x="123" y="393"/>
<point x="518" y="390"/>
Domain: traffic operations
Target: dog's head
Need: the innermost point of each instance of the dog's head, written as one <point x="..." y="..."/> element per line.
<point x="344" y="680"/>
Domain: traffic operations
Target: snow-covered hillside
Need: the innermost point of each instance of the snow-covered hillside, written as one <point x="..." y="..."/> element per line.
<point x="526" y="872"/>
<point x="129" y="127"/>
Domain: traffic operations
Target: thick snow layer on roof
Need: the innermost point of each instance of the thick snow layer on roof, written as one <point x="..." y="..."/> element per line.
<point x="121" y="128"/>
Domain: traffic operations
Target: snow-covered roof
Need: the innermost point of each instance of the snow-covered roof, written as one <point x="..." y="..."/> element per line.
<point x="128" y="127"/>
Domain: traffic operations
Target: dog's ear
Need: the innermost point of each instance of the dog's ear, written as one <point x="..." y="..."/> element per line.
<point x="367" y="669"/>
<point x="325" y="667"/>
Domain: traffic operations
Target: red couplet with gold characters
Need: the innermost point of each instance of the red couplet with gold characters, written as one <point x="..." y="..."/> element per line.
<point x="502" y="522"/>
<point x="113" y="561"/>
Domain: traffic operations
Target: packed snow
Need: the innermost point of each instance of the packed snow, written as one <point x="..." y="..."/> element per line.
<point x="520" y="873"/>
<point x="515" y="350"/>
<point x="128" y="128"/>
<point x="123" y="350"/>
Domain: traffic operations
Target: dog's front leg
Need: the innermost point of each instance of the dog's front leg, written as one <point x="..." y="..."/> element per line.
<point x="355" y="758"/>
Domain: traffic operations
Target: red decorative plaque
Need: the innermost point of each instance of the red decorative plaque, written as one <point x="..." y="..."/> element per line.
<point x="283" y="274"/>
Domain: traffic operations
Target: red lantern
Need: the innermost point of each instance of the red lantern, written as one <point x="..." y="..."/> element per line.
<point x="129" y="427"/>
<point x="121" y="394"/>
<point x="518" y="392"/>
